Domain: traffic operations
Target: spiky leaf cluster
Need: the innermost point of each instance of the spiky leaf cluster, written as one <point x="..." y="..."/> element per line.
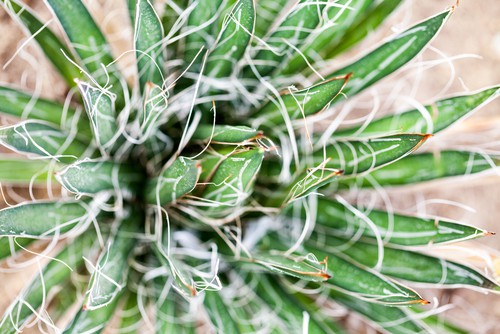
<point x="199" y="193"/>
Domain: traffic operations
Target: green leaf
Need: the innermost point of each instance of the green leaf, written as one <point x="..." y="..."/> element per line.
<point x="267" y="12"/>
<point x="365" y="283"/>
<point x="155" y="111"/>
<point x="437" y="116"/>
<point x="131" y="317"/>
<point x="232" y="42"/>
<point x="393" y="228"/>
<point x="410" y="266"/>
<point x="148" y="35"/>
<point x="298" y="104"/>
<point x="100" y="107"/>
<point x="41" y="219"/>
<point x="14" y="170"/>
<point x="39" y="138"/>
<point x="426" y="167"/>
<point x="438" y="324"/>
<point x="392" y="319"/>
<point x="218" y="312"/>
<point x="306" y="268"/>
<point x="55" y="50"/>
<point x="359" y="156"/>
<point x="170" y="316"/>
<point x="183" y="282"/>
<point x="55" y="273"/>
<point x="22" y="105"/>
<point x="175" y="181"/>
<point x="90" y="177"/>
<point x="110" y="274"/>
<point x="367" y="21"/>
<point x="201" y="22"/>
<point x="226" y="134"/>
<point x="292" y="31"/>
<point x="11" y="245"/>
<point x="87" y="40"/>
<point x="323" y="40"/>
<point x="391" y="55"/>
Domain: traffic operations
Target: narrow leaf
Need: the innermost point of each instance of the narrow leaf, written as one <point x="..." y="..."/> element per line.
<point x="437" y="116"/>
<point x="41" y="219"/>
<point x="183" y="282"/>
<point x="267" y="12"/>
<point x="176" y="180"/>
<point x="394" y="228"/>
<point x="155" y="111"/>
<point x="16" y="171"/>
<point x="220" y="317"/>
<point x="391" y="55"/>
<point x="131" y="317"/>
<point x="148" y="37"/>
<point x="227" y="134"/>
<point x="232" y="42"/>
<point x="11" y="245"/>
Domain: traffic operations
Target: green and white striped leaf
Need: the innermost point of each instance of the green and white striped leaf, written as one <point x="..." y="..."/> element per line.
<point x="155" y="111"/>
<point x="393" y="228"/>
<point x="100" y="108"/>
<point x="17" y="171"/>
<point x="41" y="139"/>
<point x="183" y="282"/>
<point x="298" y="104"/>
<point x="339" y="17"/>
<point x="427" y="167"/>
<point x="93" y="176"/>
<point x="220" y="317"/>
<point x="148" y="35"/>
<point x="391" y="55"/>
<point x="41" y="219"/>
<point x="359" y="156"/>
<point x="110" y="274"/>
<point x="233" y="40"/>
<point x="290" y="33"/>
<point x="267" y="11"/>
<point x="177" y="180"/>
<point x="11" y="245"/>
<point x="431" y="119"/>
<point x="38" y="290"/>
<point x="225" y="134"/>
<point x="55" y="50"/>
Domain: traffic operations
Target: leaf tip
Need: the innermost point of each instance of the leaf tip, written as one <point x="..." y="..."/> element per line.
<point x="489" y="233"/>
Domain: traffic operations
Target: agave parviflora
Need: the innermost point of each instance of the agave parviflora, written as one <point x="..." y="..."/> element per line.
<point x="200" y="198"/>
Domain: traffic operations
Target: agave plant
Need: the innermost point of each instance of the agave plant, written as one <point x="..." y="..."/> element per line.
<point x="208" y="193"/>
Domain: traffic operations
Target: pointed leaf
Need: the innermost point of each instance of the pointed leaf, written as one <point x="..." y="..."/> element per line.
<point x="438" y="116"/>
<point x="298" y="104"/>
<point x="232" y="42"/>
<point x="178" y="179"/>
<point x="394" y="228"/>
<point x="148" y="37"/>
<point x="183" y="282"/>
<point x="110" y="274"/>
<point x="391" y="55"/>
<point x="55" y="50"/>
<point x="227" y="134"/>
<point x="91" y="177"/>
<point x="41" y="219"/>
<point x="39" y="138"/>
<point x="426" y="167"/>
<point x="155" y="111"/>
<point x="220" y="317"/>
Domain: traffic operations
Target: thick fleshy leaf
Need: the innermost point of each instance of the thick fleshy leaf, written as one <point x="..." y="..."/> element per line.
<point x="391" y="319"/>
<point x="409" y="265"/>
<point x="40" y="138"/>
<point x="391" y="55"/>
<point x="148" y="37"/>
<point x="131" y="317"/>
<point x="110" y="274"/>
<point x="305" y="268"/>
<point x="324" y="39"/>
<point x="434" y="118"/>
<point x="393" y="228"/>
<point x="426" y="167"/>
<point x="22" y="105"/>
<point x="227" y="134"/>
<point x="10" y="245"/>
<point x="291" y="32"/>
<point x="87" y="41"/>
<point x="439" y="324"/>
<point x="55" y="50"/>
<point x="359" y="156"/>
<point x="365" y="23"/>
<point x="100" y="108"/>
<point x="267" y="12"/>
<point x="14" y="170"/>
<point x="298" y="104"/>
<point x="41" y="219"/>
<point x="220" y="317"/>
<point x="232" y="42"/>
<point x="170" y="316"/>
<point x="155" y="111"/>
<point x="201" y="22"/>
<point x="35" y="293"/>
<point x="91" y="177"/>
<point x="177" y="180"/>
<point x="183" y="282"/>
